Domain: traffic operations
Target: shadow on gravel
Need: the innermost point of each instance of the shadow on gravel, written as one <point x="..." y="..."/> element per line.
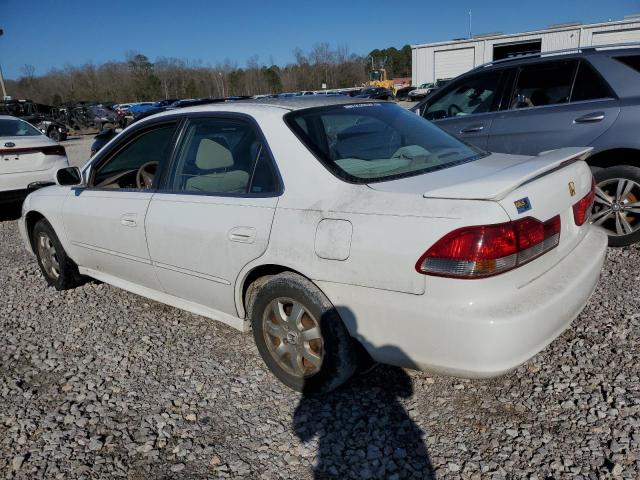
<point x="364" y="431"/>
<point x="10" y="211"/>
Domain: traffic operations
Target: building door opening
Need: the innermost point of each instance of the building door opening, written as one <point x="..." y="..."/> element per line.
<point x="516" y="49"/>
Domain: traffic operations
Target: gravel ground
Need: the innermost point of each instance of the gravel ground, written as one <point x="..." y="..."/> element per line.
<point x="99" y="383"/>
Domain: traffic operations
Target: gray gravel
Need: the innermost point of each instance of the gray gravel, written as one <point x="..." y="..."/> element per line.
<point x="99" y="383"/>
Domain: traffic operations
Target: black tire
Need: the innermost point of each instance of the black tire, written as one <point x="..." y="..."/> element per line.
<point x="54" y="135"/>
<point x="68" y="275"/>
<point x="604" y="178"/>
<point x="339" y="360"/>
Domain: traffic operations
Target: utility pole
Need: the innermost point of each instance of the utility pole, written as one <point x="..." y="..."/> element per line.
<point x="469" y="24"/>
<point x="4" y="90"/>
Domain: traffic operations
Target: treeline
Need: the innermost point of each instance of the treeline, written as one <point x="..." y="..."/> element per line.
<point x="139" y="79"/>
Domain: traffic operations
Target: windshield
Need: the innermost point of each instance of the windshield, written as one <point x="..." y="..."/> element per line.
<point x="373" y="142"/>
<point x="17" y="128"/>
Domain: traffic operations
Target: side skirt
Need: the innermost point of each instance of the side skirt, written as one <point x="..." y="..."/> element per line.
<point x="162" y="297"/>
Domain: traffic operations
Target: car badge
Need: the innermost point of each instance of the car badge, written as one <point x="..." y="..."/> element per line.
<point x="572" y="189"/>
<point x="523" y="205"/>
<point x="9" y="144"/>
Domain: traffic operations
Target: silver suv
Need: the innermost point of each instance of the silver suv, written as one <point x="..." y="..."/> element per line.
<point x="534" y="103"/>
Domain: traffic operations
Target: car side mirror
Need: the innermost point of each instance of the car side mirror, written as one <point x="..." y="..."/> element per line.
<point x="69" y="176"/>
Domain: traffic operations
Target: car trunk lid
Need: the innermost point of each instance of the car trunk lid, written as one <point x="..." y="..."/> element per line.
<point x="27" y="154"/>
<point x="541" y="187"/>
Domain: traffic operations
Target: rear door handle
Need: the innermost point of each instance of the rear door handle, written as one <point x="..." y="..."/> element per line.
<point x="242" y="234"/>
<point x="472" y="129"/>
<point x="128" y="220"/>
<point x="590" y="117"/>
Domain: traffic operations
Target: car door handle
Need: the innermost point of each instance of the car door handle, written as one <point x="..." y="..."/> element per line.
<point x="590" y="117"/>
<point x="128" y="220"/>
<point x="242" y="234"/>
<point x="472" y="129"/>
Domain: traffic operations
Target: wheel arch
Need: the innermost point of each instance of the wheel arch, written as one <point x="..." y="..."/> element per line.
<point x="30" y="220"/>
<point x="255" y="272"/>
<point x="615" y="156"/>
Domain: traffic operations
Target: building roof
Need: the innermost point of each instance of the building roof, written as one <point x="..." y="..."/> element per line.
<point x="552" y="28"/>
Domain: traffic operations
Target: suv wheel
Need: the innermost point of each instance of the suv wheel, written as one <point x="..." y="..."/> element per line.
<point x="59" y="270"/>
<point x="617" y="204"/>
<point x="54" y="134"/>
<point x="300" y="335"/>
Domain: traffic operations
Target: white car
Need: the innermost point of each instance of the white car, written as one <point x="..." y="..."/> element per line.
<point x="422" y="91"/>
<point x="331" y="227"/>
<point x="27" y="156"/>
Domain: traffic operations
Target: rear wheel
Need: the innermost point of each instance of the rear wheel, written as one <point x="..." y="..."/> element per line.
<point x="300" y="335"/>
<point x="58" y="269"/>
<point x="617" y="204"/>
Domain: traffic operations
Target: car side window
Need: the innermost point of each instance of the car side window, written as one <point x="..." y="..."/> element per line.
<point x="543" y="84"/>
<point x="476" y="94"/>
<point x="222" y="156"/>
<point x="135" y="164"/>
<point x="589" y="85"/>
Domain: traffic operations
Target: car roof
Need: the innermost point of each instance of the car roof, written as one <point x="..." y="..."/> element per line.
<point x="561" y="54"/>
<point x="249" y="105"/>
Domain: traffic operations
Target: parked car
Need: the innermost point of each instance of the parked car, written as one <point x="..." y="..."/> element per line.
<point x="403" y="93"/>
<point x="535" y="103"/>
<point x="377" y="93"/>
<point x="56" y="131"/>
<point x="422" y="91"/>
<point x="103" y="137"/>
<point x="102" y="116"/>
<point x="341" y="226"/>
<point x="27" y="156"/>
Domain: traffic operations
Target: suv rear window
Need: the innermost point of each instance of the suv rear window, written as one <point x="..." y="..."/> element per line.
<point x="373" y="142"/>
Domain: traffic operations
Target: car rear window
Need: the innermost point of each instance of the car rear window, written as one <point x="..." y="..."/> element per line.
<point x="17" y="128"/>
<point x="373" y="142"/>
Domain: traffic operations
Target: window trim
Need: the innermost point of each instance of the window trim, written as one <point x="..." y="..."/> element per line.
<point x="105" y="156"/>
<point x="241" y="117"/>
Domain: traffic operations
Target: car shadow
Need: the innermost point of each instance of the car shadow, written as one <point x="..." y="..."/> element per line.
<point x="10" y="211"/>
<point x="363" y="429"/>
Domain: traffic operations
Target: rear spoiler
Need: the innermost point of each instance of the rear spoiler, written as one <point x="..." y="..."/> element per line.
<point x="497" y="185"/>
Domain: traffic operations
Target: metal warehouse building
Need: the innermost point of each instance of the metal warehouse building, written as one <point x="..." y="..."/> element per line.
<point x="435" y="61"/>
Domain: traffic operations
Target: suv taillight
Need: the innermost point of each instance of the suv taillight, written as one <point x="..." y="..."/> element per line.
<point x="486" y="250"/>
<point x="582" y="209"/>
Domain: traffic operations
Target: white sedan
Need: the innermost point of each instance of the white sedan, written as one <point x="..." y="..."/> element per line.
<point x="334" y="228"/>
<point x="26" y="156"/>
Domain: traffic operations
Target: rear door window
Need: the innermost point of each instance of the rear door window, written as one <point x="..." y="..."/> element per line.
<point x="543" y="84"/>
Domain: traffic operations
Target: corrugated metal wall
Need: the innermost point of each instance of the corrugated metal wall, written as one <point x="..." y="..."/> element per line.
<point x="425" y="57"/>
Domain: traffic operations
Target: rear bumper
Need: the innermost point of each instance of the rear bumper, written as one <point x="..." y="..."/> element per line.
<point x="20" y="181"/>
<point x="454" y="330"/>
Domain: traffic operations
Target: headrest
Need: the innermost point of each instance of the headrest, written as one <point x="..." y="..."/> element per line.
<point x="212" y="155"/>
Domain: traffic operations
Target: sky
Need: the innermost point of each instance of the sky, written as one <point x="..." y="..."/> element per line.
<point x="52" y="33"/>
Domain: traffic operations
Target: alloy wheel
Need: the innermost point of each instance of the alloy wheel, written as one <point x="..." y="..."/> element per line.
<point x="293" y="337"/>
<point x="48" y="256"/>
<point x="616" y="207"/>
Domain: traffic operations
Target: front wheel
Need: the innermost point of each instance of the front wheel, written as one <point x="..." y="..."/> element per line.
<point x="617" y="204"/>
<point x="58" y="269"/>
<point x="300" y="335"/>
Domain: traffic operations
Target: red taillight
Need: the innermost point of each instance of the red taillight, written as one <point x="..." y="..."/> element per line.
<point x="53" y="150"/>
<point x="582" y="209"/>
<point x="486" y="250"/>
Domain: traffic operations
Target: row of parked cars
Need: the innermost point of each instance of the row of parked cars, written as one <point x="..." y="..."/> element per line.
<point x="314" y="220"/>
